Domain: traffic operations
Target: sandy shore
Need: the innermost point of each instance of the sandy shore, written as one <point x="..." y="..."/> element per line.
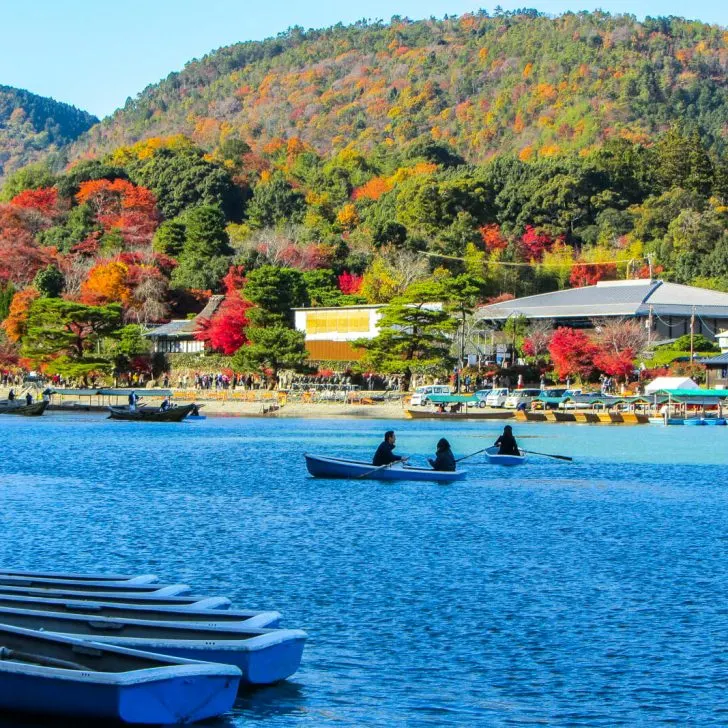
<point x="297" y="409"/>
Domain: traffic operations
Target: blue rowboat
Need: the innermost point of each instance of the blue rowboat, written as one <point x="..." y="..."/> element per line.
<point x="70" y="678"/>
<point x="326" y="467"/>
<point x="200" y="617"/>
<point x="65" y="576"/>
<point x="694" y="421"/>
<point x="167" y="596"/>
<point x="494" y="458"/>
<point x="264" y="656"/>
<point x="140" y="584"/>
<point x="715" y="421"/>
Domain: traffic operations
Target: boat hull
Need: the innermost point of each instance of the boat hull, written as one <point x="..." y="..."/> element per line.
<point x="24" y="410"/>
<point x="141" y="584"/>
<point x="200" y="617"/>
<point x="471" y="414"/>
<point x="264" y="656"/>
<point x="327" y="467"/>
<point x="109" y="684"/>
<point x="494" y="458"/>
<point x="169" y="596"/>
<point x="148" y="414"/>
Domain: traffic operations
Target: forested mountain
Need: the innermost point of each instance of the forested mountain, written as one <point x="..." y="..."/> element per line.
<point x="514" y="82"/>
<point x="459" y="160"/>
<point x="32" y="127"/>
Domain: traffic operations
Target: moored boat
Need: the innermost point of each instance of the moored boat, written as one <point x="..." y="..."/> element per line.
<point x="494" y="458"/>
<point x="56" y="576"/>
<point x="70" y="576"/>
<point x="264" y="656"/>
<point x="67" y="677"/>
<point x="150" y="414"/>
<point x="140" y="584"/>
<point x="327" y="467"/>
<point x="172" y="595"/>
<point x="18" y="407"/>
<point x="200" y="616"/>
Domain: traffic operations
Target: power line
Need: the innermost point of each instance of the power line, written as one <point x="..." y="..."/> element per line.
<point x="534" y="265"/>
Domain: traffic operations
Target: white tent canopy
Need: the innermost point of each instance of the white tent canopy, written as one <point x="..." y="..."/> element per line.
<point x="670" y="383"/>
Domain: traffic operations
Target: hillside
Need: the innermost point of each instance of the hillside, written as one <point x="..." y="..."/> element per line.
<point x="521" y="82"/>
<point x="32" y="127"/>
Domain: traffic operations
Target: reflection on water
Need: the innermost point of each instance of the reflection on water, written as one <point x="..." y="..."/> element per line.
<point x="589" y="593"/>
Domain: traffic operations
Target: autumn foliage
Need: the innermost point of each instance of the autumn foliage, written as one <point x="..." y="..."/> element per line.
<point x="572" y="352"/>
<point x="225" y="331"/>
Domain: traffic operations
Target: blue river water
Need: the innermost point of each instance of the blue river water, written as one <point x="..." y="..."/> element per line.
<point x="582" y="594"/>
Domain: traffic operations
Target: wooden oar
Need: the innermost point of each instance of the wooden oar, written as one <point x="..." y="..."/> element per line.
<point x="381" y="467"/>
<point x="548" y="455"/>
<point x="465" y="457"/>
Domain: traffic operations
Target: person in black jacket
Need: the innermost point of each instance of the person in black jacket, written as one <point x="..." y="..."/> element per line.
<point x="384" y="454"/>
<point x="444" y="459"/>
<point x="507" y="443"/>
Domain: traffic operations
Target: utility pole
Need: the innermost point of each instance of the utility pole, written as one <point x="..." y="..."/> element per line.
<point x="649" y="263"/>
<point x="649" y="327"/>
<point x="692" y="333"/>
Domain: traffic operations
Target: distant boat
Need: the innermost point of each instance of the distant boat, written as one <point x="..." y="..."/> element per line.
<point x="150" y="414"/>
<point x="159" y="613"/>
<point x="327" y="467"/>
<point x="495" y="459"/>
<point x="19" y="407"/>
<point x="70" y="678"/>
<point x="264" y="656"/>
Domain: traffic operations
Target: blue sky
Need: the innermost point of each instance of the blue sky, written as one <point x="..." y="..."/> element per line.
<point x="96" y="54"/>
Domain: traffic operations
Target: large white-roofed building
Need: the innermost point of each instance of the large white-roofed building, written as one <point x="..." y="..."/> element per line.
<point x="666" y="308"/>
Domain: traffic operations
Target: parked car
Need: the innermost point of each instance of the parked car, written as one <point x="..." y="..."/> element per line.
<point x="421" y="395"/>
<point x="497" y="398"/>
<point x="481" y="395"/>
<point x="521" y="397"/>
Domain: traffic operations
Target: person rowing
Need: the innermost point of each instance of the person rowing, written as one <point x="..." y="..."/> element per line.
<point x="507" y="443"/>
<point x="444" y="459"/>
<point x="133" y="400"/>
<point x="384" y="454"/>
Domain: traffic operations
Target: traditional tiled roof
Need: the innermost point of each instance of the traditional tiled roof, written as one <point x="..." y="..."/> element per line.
<point x="614" y="298"/>
<point x="185" y="328"/>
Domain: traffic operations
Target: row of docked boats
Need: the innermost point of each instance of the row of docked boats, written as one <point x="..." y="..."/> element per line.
<point x="132" y="649"/>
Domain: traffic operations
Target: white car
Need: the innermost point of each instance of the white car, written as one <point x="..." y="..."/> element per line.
<point x="521" y="397"/>
<point x="422" y="394"/>
<point x="497" y="398"/>
<point x="481" y="395"/>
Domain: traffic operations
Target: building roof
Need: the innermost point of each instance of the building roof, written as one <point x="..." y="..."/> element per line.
<point x="720" y="359"/>
<point x="614" y="298"/>
<point x="186" y="328"/>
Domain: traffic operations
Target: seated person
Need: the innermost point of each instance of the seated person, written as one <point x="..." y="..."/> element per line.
<point x="507" y="443"/>
<point x="444" y="459"/>
<point x="384" y="454"/>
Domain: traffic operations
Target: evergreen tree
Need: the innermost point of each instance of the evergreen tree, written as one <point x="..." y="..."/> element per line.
<point x="415" y="334"/>
<point x="274" y="291"/>
<point x="49" y="282"/>
<point x="270" y="350"/>
<point x="275" y="202"/>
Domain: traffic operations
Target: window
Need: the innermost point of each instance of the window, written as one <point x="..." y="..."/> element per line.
<point x="342" y="322"/>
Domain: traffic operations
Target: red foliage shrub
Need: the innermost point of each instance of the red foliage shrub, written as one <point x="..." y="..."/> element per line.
<point x="349" y="283"/>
